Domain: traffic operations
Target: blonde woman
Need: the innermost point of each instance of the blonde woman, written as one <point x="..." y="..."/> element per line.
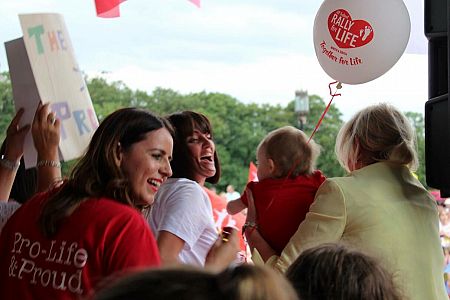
<point x="379" y="208"/>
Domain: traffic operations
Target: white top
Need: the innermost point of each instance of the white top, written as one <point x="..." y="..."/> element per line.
<point x="7" y="208"/>
<point x="183" y="208"/>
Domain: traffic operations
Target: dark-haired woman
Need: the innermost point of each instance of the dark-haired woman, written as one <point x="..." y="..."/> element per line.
<point x="60" y="244"/>
<point x="181" y="216"/>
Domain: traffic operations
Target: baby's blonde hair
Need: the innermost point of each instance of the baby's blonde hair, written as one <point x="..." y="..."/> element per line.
<point x="377" y="133"/>
<point x="288" y="147"/>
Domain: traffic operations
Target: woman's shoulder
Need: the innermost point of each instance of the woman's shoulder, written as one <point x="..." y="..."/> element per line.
<point x="181" y="182"/>
<point x="106" y="208"/>
<point x="104" y="214"/>
<point x="344" y="184"/>
<point x="33" y="204"/>
<point x="106" y="202"/>
<point x="9" y="205"/>
<point x="175" y="186"/>
<point x="363" y="174"/>
<point x="7" y="209"/>
<point x="180" y="192"/>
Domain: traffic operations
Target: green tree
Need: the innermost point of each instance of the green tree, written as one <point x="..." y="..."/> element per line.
<point x="325" y="136"/>
<point x="417" y="121"/>
<point x="108" y="97"/>
<point x="238" y="127"/>
<point x="7" y="109"/>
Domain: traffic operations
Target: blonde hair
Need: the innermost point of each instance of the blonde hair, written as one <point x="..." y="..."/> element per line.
<point x="251" y="282"/>
<point x="377" y="133"/>
<point x="290" y="151"/>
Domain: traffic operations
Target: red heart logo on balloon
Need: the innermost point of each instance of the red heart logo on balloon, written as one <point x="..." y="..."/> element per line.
<point x="348" y="33"/>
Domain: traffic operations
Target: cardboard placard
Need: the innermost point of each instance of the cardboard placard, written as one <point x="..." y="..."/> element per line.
<point x="43" y="67"/>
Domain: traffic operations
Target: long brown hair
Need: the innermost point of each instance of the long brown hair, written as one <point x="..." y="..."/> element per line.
<point x="185" y="123"/>
<point x="97" y="174"/>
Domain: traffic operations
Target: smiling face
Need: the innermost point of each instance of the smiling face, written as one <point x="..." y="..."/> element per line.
<point x="146" y="164"/>
<point x="201" y="148"/>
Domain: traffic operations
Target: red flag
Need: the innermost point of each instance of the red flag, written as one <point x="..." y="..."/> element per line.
<point x="196" y="2"/>
<point x="252" y="172"/>
<point x="108" y="8"/>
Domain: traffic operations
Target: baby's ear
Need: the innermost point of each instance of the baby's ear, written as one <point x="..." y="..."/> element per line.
<point x="272" y="166"/>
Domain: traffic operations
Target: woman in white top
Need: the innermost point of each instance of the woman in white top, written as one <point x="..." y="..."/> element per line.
<point x="181" y="216"/>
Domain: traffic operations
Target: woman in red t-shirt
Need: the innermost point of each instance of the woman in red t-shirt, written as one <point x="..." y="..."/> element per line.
<point x="60" y="244"/>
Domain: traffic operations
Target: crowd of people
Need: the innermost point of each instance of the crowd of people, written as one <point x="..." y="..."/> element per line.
<point x="444" y="232"/>
<point x="133" y="221"/>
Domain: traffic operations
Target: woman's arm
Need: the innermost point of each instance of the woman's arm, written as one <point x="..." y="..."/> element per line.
<point x="325" y="222"/>
<point x="46" y="134"/>
<point x="254" y="238"/>
<point x="223" y="252"/>
<point x="169" y="246"/>
<point x="181" y="219"/>
<point x="15" y="137"/>
<point x="256" y="241"/>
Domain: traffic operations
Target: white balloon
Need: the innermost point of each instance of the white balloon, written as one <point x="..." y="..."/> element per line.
<point x="357" y="41"/>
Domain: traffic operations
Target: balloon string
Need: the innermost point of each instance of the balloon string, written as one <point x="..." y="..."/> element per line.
<point x="338" y="87"/>
<point x="297" y="162"/>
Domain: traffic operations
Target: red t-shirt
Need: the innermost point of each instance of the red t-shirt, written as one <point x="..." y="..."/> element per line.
<point x="100" y="238"/>
<point x="281" y="205"/>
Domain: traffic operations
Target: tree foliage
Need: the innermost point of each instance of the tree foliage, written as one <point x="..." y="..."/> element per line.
<point x="238" y="127"/>
<point x="418" y="123"/>
<point x="6" y="103"/>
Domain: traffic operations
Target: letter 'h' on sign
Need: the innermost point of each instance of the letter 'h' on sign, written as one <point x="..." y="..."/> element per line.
<point x="43" y="67"/>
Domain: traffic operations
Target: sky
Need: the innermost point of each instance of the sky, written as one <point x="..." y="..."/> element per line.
<point x="254" y="50"/>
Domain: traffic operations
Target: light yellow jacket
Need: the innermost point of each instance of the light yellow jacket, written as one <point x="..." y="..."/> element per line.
<point x="383" y="210"/>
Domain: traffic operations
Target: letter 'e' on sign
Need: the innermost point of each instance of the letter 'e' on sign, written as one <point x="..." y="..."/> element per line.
<point x="42" y="65"/>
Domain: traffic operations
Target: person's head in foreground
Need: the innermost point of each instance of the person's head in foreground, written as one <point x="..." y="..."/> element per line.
<point x="335" y="272"/>
<point x="245" y="282"/>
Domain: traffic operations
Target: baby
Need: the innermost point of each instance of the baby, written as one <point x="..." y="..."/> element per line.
<point x="287" y="184"/>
